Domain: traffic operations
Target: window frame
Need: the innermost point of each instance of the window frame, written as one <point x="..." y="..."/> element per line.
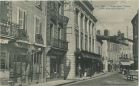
<point x="39" y="29"/>
<point x="24" y="18"/>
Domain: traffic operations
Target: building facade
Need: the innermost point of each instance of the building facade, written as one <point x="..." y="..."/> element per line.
<point x="56" y="41"/>
<point x="82" y="59"/>
<point x="135" y="24"/>
<point x="115" y="51"/>
<point x="23" y="35"/>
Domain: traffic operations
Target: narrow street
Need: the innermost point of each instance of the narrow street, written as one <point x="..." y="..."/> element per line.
<point x="110" y="80"/>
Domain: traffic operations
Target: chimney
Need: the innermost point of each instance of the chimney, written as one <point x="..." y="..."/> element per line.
<point x="106" y="32"/>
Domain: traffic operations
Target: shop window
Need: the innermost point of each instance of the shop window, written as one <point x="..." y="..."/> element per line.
<point x="3" y="64"/>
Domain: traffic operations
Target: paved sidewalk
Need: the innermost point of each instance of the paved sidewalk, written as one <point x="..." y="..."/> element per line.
<point x="63" y="82"/>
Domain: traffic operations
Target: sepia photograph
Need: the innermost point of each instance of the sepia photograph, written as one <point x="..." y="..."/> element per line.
<point x="69" y="42"/>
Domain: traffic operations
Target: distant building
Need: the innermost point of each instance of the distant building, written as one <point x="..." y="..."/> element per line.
<point x="113" y="49"/>
<point x="135" y="24"/>
<point x="81" y="35"/>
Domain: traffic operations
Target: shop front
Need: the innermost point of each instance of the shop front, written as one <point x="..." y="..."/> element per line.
<point x="18" y="62"/>
<point x="56" y="64"/>
<point x="87" y="64"/>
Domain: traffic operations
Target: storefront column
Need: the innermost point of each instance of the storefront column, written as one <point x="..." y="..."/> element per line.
<point x="84" y="32"/>
<point x="91" y="29"/>
<point x="79" y="22"/>
<point x="70" y="67"/>
<point x="88" y="34"/>
<point x="47" y="71"/>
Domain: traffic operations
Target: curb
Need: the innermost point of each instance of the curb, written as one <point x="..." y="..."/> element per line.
<point x="80" y="80"/>
<point x="66" y="83"/>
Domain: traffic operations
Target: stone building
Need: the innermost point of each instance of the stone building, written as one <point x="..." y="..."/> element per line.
<point x="56" y="42"/>
<point x="33" y="40"/>
<point x="23" y="40"/>
<point x="82" y="58"/>
<point x="115" y="48"/>
<point x="135" y="24"/>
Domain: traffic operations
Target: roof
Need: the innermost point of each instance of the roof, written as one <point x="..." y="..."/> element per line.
<point x="115" y="39"/>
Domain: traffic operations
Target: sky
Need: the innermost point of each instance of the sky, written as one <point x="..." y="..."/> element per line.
<point x="115" y="15"/>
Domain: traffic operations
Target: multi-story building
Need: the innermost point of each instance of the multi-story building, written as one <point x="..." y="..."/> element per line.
<point x="135" y="24"/>
<point x="22" y="35"/>
<point x="113" y="49"/>
<point x="33" y="40"/>
<point x="81" y="55"/>
<point x="57" y="45"/>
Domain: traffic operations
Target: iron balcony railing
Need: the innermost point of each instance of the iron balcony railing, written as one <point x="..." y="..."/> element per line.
<point x="39" y="39"/>
<point x="63" y="19"/>
<point x="8" y="29"/>
<point x="58" y="43"/>
<point x="22" y="34"/>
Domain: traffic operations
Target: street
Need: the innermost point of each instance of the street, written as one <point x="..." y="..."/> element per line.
<point x="110" y="80"/>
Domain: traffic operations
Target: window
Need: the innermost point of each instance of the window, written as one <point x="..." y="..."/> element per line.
<point x="77" y="39"/>
<point x="51" y="30"/>
<point x="2" y="60"/>
<point x="92" y="28"/>
<point x="81" y="41"/>
<point x="76" y="17"/>
<point x="89" y="43"/>
<point x="89" y="28"/>
<point x="81" y="22"/>
<point x="86" y="42"/>
<point x="59" y="33"/>
<point x="38" y="26"/>
<point x="85" y="25"/>
<point x="99" y="50"/>
<point x="92" y="44"/>
<point x="22" y="19"/>
<point x="60" y="9"/>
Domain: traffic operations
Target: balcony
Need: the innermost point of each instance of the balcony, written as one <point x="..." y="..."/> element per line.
<point x="39" y="39"/>
<point x="22" y="34"/>
<point x="8" y="29"/>
<point x="58" y="43"/>
<point x="63" y="19"/>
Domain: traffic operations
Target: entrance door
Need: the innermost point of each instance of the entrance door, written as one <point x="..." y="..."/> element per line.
<point x="55" y="67"/>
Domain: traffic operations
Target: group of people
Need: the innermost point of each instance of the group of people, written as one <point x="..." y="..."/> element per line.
<point x="86" y="72"/>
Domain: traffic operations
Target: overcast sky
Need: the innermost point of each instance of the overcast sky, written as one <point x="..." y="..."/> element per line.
<point x="115" y="15"/>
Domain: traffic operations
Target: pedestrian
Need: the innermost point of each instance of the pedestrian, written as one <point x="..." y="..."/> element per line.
<point x="85" y="73"/>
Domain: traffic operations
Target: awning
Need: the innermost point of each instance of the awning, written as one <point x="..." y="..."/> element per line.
<point x="90" y="55"/>
<point x="126" y="63"/>
<point x="4" y="41"/>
